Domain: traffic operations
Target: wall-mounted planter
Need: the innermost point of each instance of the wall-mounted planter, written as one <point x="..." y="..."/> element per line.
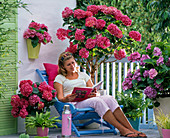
<point x="33" y="52"/>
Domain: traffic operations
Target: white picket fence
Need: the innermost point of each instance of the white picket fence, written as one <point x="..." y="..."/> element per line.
<point x="115" y="73"/>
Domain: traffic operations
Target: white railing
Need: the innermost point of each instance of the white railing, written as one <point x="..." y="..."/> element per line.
<point x="114" y="74"/>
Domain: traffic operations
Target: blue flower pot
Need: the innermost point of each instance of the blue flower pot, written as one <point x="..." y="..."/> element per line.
<point x="135" y="123"/>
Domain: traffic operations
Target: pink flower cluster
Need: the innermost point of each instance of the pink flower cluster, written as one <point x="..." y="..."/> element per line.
<point x="143" y="58"/>
<point x="37" y="30"/>
<point x="62" y="34"/>
<point x="120" y="54"/>
<point x="67" y="12"/>
<point x="32" y="98"/>
<point x="150" y="92"/>
<point x="79" y="34"/>
<point x="135" y="35"/>
<point x="114" y="30"/>
<point x="90" y="43"/>
<point x="134" y="57"/>
<point x="72" y="48"/>
<point x="84" y="53"/>
<point x="157" y="51"/>
<point x="103" y="42"/>
<point x="127" y="83"/>
<point x="152" y="73"/>
<point x="136" y="75"/>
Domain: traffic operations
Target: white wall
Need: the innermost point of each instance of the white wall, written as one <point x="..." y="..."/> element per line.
<point x="47" y="12"/>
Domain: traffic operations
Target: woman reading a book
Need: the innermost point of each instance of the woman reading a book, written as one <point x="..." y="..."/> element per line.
<point x="106" y="106"/>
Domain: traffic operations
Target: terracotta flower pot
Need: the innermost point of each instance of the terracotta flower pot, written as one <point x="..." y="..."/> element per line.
<point x="42" y="132"/>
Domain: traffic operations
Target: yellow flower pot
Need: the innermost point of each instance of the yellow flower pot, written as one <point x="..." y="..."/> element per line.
<point x="33" y="53"/>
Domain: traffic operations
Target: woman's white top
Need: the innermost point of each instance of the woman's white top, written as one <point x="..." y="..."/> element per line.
<point x="68" y="85"/>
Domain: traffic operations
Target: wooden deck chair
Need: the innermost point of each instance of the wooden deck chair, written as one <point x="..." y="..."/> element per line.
<point x="79" y="114"/>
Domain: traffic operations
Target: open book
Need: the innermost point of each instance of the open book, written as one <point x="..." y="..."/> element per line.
<point x="83" y="92"/>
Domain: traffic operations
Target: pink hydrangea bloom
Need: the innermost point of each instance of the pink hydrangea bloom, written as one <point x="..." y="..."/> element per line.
<point x="93" y="8"/>
<point x="118" y="15"/>
<point x="90" y="43"/>
<point x="135" y="35"/>
<point x="103" y="42"/>
<point x="160" y="61"/>
<point x="114" y="30"/>
<point x="26" y="89"/>
<point x="157" y="85"/>
<point x="25" y="81"/>
<point x="90" y="22"/>
<point x="84" y="53"/>
<point x="100" y="24"/>
<point x="40" y="36"/>
<point x="148" y="47"/>
<point x="43" y="26"/>
<point x="15" y="100"/>
<point x="150" y="92"/>
<point x="72" y="48"/>
<point x="134" y="57"/>
<point x="35" y="25"/>
<point x="146" y="73"/>
<point x="143" y="58"/>
<point x="67" y="12"/>
<point x="119" y="54"/>
<point x="40" y="105"/>
<point x="136" y="75"/>
<point x="157" y="51"/>
<point x="34" y="99"/>
<point x="47" y="95"/>
<point x="47" y="37"/>
<point x="15" y="112"/>
<point x="168" y="62"/>
<point x="89" y="14"/>
<point x="61" y="34"/>
<point x="23" y="113"/>
<point x="110" y="10"/>
<point x="79" y="34"/>
<point x="127" y="84"/>
<point x="79" y="14"/>
<point x="24" y="103"/>
<point x="102" y="7"/>
<point x="126" y="20"/>
<point x="43" y="86"/>
<point x="152" y="73"/>
<point x="29" y="33"/>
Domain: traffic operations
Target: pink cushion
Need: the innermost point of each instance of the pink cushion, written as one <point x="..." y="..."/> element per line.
<point x="52" y="72"/>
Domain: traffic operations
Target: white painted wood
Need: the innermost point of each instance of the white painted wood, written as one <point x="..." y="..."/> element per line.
<point x="107" y="78"/>
<point x="119" y="76"/>
<point x="113" y="79"/>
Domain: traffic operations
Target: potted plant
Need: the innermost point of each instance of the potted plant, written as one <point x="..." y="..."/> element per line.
<point x="133" y="105"/>
<point x="42" y="122"/>
<point x="96" y="33"/>
<point x="163" y="121"/>
<point x="36" y="34"/>
<point x="32" y="98"/>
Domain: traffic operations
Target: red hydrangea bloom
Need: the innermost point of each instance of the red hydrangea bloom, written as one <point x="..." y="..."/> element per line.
<point x="126" y="20"/>
<point x="134" y="57"/>
<point x="79" y="14"/>
<point x="25" y="81"/>
<point x="35" y="85"/>
<point x="15" y="112"/>
<point x="90" y="43"/>
<point x="72" y="48"/>
<point x="35" y="25"/>
<point x="26" y="89"/>
<point x="61" y="34"/>
<point x="93" y="8"/>
<point x="84" y="53"/>
<point x="100" y="24"/>
<point x="102" y="7"/>
<point x="89" y="14"/>
<point x="23" y="113"/>
<point x="40" y="105"/>
<point x="24" y="103"/>
<point x="44" y="26"/>
<point x="67" y="12"/>
<point x="90" y="21"/>
<point x="135" y="35"/>
<point x="118" y="15"/>
<point x="40" y="36"/>
<point x="34" y="99"/>
<point x="119" y="54"/>
<point x="79" y="34"/>
<point x="15" y="100"/>
<point x="47" y="95"/>
<point x="114" y="30"/>
<point x="103" y="42"/>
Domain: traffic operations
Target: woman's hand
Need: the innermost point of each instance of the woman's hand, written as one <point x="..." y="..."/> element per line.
<point x="93" y="93"/>
<point x="70" y="97"/>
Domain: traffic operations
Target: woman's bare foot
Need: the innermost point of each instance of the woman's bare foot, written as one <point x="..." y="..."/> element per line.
<point x="140" y="134"/>
<point x="128" y="133"/>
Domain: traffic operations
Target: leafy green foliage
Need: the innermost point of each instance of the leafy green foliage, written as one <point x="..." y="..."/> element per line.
<point x="23" y="135"/>
<point x="41" y="120"/>
<point x="133" y="103"/>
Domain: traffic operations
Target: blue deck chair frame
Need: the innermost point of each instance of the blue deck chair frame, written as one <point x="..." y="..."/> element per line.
<point x="79" y="114"/>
